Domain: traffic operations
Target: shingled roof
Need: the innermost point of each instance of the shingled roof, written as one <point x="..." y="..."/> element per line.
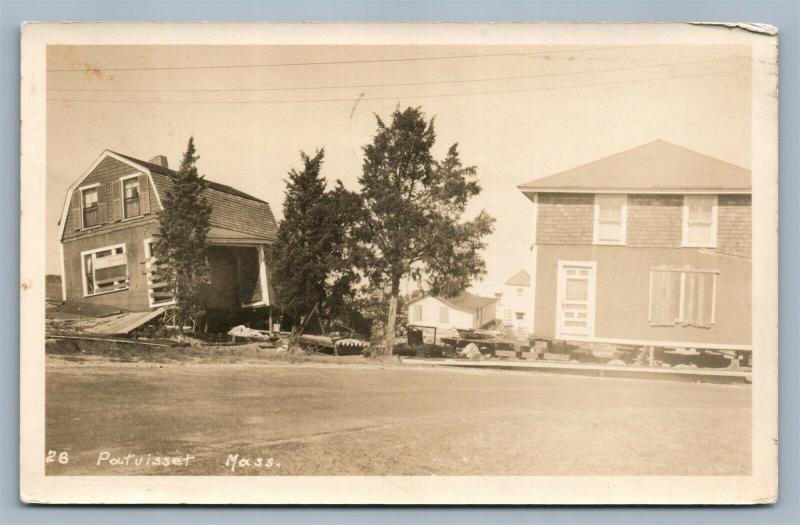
<point x="656" y="167"/>
<point x="464" y="301"/>
<point x="234" y="214"/>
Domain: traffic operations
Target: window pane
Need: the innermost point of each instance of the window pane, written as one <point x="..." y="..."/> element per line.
<point x="609" y="231"/>
<point x="131" y="188"/>
<point x="700" y="208"/>
<point x="698" y="233"/>
<point x="131" y="208"/>
<point x="89" y="198"/>
<point x="610" y="207"/>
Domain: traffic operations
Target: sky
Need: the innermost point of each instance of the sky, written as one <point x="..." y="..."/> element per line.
<point x="518" y="113"/>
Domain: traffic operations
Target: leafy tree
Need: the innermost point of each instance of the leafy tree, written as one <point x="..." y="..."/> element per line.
<point x="182" y="244"/>
<point x="312" y="264"/>
<point x="412" y="209"/>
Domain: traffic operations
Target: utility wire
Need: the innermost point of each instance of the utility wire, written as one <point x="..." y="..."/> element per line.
<point x="90" y="69"/>
<point x="395" y="84"/>
<point x="442" y="95"/>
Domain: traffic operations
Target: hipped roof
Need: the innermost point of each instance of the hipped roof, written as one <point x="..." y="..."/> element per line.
<point x="656" y="167"/>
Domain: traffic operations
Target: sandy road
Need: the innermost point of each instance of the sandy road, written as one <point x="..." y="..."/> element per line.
<point x="388" y="420"/>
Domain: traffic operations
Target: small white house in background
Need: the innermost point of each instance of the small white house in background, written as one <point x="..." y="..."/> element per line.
<point x="465" y="311"/>
<point x="515" y="303"/>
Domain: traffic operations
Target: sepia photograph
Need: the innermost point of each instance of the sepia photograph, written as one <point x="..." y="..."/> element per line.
<point x="398" y="256"/>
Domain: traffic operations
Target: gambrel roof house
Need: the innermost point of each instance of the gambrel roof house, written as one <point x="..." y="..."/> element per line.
<point x="650" y="246"/>
<point x="109" y="222"/>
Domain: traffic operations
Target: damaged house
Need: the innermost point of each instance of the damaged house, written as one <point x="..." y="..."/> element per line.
<point x="109" y="222"/>
<point x="649" y="247"/>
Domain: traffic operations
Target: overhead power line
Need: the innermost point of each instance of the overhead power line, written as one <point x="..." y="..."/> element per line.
<point x="395" y="84"/>
<point x="91" y="69"/>
<point x="441" y="95"/>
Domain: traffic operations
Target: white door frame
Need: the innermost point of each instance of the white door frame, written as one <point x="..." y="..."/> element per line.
<point x="591" y="311"/>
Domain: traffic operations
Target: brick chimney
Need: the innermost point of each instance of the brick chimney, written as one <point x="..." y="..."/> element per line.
<point x="160" y="160"/>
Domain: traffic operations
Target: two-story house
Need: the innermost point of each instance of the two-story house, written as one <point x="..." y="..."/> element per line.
<point x="109" y="222"/>
<point x="647" y="247"/>
<point x="515" y="302"/>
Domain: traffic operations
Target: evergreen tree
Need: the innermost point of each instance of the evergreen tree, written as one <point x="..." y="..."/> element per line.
<point x="412" y="208"/>
<point x="182" y="245"/>
<point x="312" y="263"/>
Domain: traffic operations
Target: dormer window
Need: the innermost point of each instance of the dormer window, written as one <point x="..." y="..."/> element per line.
<point x="610" y="217"/>
<point x="130" y="191"/>
<point x="700" y="221"/>
<point x="89" y="207"/>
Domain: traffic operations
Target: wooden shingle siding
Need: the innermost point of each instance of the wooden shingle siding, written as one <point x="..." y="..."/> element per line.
<point x="734" y="236"/>
<point x="107" y="175"/>
<point x="655" y="220"/>
<point x="565" y="218"/>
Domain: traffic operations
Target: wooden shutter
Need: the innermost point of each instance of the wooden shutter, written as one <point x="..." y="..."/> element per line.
<point x="75" y="206"/>
<point x="690" y="298"/>
<point x="664" y="297"/>
<point x="144" y="194"/>
<point x="699" y="299"/>
<point x="102" y="204"/>
<point x="116" y="201"/>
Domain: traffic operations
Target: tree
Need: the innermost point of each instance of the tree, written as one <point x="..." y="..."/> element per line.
<point x="312" y="264"/>
<point x="412" y="210"/>
<point x="182" y="243"/>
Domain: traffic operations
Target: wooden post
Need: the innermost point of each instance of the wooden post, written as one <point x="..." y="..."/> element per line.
<point x="270" y="321"/>
<point x="650" y="356"/>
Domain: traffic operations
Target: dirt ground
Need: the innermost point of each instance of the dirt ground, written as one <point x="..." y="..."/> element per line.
<point x="375" y="419"/>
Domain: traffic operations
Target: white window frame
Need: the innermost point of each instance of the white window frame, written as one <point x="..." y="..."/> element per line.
<point x="81" y="191"/>
<point x="149" y="258"/>
<point x="623" y="220"/>
<point x="122" y="196"/>
<point x="84" y="253"/>
<point x="712" y="243"/>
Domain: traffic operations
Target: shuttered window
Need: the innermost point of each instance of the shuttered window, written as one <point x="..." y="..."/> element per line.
<point x="89" y="207"/>
<point x="130" y="191"/>
<point x="682" y="297"/>
<point x="105" y="270"/>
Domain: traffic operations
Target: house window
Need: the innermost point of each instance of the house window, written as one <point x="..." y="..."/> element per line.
<point x="105" y="270"/>
<point x="685" y="297"/>
<point x="89" y="206"/>
<point x="416" y="313"/>
<point x="130" y="191"/>
<point x="509" y="316"/>
<point x="610" y="217"/>
<point x="700" y="221"/>
<point x="444" y="314"/>
<point x="520" y="316"/>
<point x="520" y="292"/>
